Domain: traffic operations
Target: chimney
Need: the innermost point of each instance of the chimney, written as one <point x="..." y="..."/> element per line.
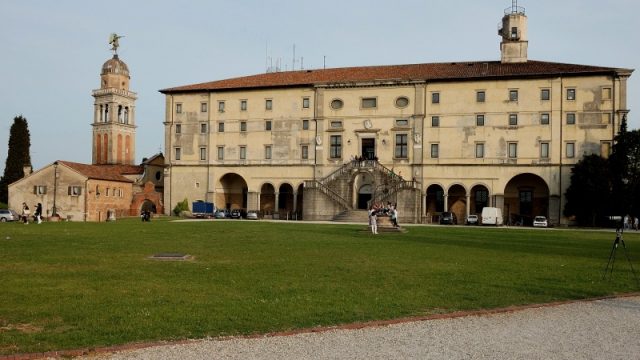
<point x="27" y="170"/>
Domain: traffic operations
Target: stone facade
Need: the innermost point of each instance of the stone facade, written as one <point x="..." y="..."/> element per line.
<point x="459" y="136"/>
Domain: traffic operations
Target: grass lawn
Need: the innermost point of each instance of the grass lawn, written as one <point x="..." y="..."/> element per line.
<point x="79" y="285"/>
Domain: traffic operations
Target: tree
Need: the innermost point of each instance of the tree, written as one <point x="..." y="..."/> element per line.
<point x="588" y="196"/>
<point x="624" y="164"/>
<point x="18" y="155"/>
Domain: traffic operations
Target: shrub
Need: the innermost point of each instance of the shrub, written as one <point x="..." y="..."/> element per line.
<point x="181" y="206"/>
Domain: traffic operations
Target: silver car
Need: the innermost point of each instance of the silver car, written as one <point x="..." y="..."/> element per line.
<point x="252" y="215"/>
<point x="8" y="215"/>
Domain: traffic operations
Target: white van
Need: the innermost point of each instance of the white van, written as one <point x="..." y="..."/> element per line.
<point x="491" y="216"/>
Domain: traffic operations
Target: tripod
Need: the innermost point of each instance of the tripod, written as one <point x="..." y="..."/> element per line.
<point x="612" y="256"/>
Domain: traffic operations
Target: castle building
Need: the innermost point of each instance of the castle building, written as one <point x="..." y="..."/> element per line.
<point x="324" y="144"/>
<point x="112" y="186"/>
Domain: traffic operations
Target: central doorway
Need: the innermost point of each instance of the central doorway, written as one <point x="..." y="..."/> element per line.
<point x="364" y="196"/>
<point x="368" y="148"/>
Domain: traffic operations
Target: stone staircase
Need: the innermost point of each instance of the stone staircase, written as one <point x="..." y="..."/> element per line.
<point x="353" y="216"/>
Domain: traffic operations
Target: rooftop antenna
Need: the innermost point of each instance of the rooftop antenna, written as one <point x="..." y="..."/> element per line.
<point x="293" y="64"/>
<point x="324" y="62"/>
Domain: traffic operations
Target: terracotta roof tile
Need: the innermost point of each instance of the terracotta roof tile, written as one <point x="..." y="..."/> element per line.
<point x="105" y="172"/>
<point x="414" y="72"/>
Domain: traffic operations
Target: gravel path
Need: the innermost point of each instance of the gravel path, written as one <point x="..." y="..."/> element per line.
<point x="602" y="329"/>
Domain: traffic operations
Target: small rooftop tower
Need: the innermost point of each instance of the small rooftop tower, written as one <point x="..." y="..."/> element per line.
<point x="513" y="31"/>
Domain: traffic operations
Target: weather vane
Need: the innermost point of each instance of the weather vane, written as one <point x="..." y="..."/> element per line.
<point x="113" y="41"/>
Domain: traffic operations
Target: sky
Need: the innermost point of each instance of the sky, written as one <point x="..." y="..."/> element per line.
<point x="51" y="52"/>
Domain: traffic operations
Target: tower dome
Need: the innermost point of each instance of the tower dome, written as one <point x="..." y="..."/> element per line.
<point x="115" y="66"/>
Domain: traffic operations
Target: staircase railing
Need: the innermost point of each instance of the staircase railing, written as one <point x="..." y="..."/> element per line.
<point x="315" y="184"/>
<point x="393" y="189"/>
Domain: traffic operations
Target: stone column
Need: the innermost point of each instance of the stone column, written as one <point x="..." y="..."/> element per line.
<point x="258" y="201"/>
<point x="276" y="210"/>
<point x="468" y="205"/>
<point x="446" y="202"/>
<point x="295" y="201"/>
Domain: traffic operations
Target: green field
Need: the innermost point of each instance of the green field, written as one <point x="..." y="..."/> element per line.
<point x="83" y="285"/>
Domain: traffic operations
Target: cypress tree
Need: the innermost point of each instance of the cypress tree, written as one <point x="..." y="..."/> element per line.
<point x="18" y="155"/>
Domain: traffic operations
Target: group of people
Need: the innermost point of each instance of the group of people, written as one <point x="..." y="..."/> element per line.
<point x="390" y="210"/>
<point x="26" y="212"/>
<point x="630" y="222"/>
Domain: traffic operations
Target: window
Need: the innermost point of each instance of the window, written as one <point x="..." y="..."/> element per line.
<point x="335" y="143"/>
<point x="545" y="94"/>
<point x="571" y="94"/>
<point x="221" y="126"/>
<point x="544" y="150"/>
<point x="571" y="118"/>
<point x="268" y="104"/>
<point x="435" y="151"/>
<point x="337" y="104"/>
<point x="267" y="152"/>
<point x="480" y="120"/>
<point x="479" y="150"/>
<point x="305" y="151"/>
<point x="267" y="125"/>
<point x="305" y="103"/>
<point x="336" y="124"/>
<point x="513" y="95"/>
<point x="203" y="107"/>
<point x="402" y="102"/>
<point x="243" y="126"/>
<point x="435" y="121"/>
<point x="178" y="128"/>
<point x="544" y="119"/>
<point x="606" y="93"/>
<point x="40" y="189"/>
<point x="513" y="119"/>
<point x="243" y="152"/>
<point x="571" y="150"/>
<point x="203" y="153"/>
<point x="178" y="153"/>
<point x="203" y="128"/>
<point x="221" y="106"/>
<point x="75" y="190"/>
<point x="435" y="98"/>
<point x="401" y="146"/>
<point x="402" y="122"/>
<point x="178" y="108"/>
<point x="243" y="105"/>
<point x="605" y="149"/>
<point x="369" y="103"/>
<point x="514" y="32"/>
<point x="480" y="96"/>
<point x="305" y="124"/>
<point x="220" y="152"/>
<point x="513" y="150"/>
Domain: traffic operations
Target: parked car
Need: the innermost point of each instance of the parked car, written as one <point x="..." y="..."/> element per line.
<point x="8" y="215"/>
<point x="448" y="218"/>
<point x="540" y="221"/>
<point x="472" y="220"/>
<point x="252" y="215"/>
<point x="236" y="214"/>
<point x="221" y="214"/>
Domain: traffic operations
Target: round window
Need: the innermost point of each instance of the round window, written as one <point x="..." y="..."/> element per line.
<point x="402" y="102"/>
<point x="337" y="104"/>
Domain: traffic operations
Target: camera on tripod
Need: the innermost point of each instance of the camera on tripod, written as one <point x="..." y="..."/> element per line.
<point x="619" y="240"/>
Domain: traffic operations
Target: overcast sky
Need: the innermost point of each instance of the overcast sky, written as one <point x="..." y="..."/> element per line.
<point x="51" y="52"/>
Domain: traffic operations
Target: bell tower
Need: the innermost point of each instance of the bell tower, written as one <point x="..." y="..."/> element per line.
<point x="114" y="129"/>
<point x="513" y="31"/>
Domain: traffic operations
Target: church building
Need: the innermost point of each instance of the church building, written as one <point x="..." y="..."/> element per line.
<point x="112" y="186"/>
<point x="324" y="144"/>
